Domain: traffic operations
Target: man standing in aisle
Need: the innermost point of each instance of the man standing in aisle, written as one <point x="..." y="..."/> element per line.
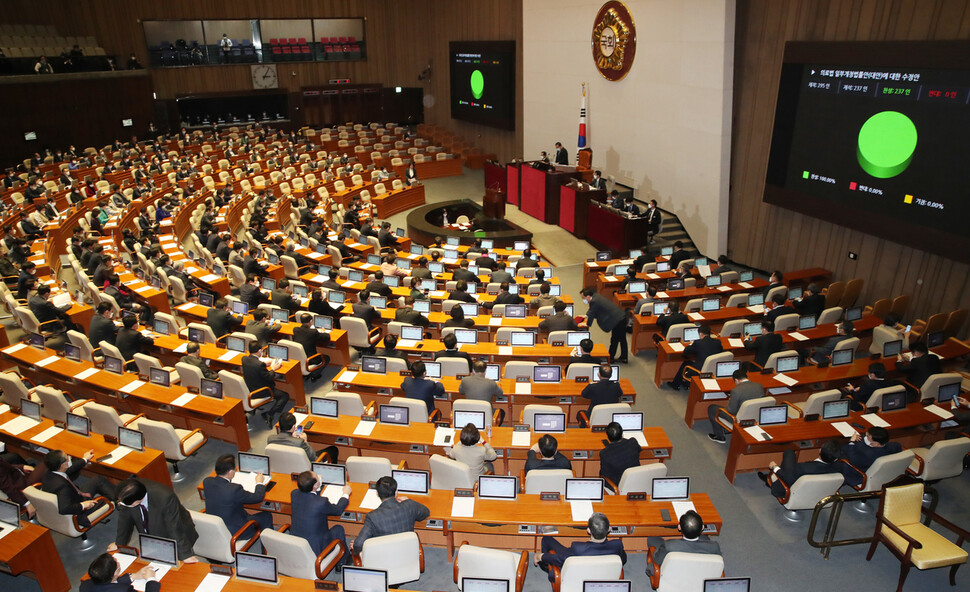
<point x="611" y="319"/>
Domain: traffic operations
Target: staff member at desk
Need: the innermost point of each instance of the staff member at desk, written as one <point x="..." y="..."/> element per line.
<point x="310" y="510"/>
<point x="394" y="515"/>
<point x="228" y="500"/>
<point x="555" y="553"/>
<point x="105" y="576"/>
<point x="418" y="387"/>
<point x="701" y="349"/>
<point x="220" y="320"/>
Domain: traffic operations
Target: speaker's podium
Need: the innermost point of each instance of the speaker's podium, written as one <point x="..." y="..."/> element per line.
<point x="539" y="192"/>
<point x="574" y="198"/>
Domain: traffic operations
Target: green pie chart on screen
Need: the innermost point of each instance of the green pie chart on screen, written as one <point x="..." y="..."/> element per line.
<point x="887" y="142"/>
<point x="477" y="83"/>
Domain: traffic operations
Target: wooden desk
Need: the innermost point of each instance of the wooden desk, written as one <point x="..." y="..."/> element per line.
<point x="748" y="454"/>
<point x="414" y="443"/>
<point x="542" y="353"/>
<point x="30" y="551"/>
<point x="148" y="463"/>
<point x="628" y="300"/>
<point x="393" y="202"/>
<point x="567" y="394"/>
<point x="188" y="576"/>
<point x="217" y="418"/>
<point x="810" y="379"/>
<point x="496" y="523"/>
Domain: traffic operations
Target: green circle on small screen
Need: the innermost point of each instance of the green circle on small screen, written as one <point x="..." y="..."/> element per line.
<point x="477" y="83"/>
<point x="887" y="142"/>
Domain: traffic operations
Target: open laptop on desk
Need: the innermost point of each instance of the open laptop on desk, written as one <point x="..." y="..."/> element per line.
<point x="484" y="585"/>
<point x="9" y="517"/>
<point x="632" y="424"/>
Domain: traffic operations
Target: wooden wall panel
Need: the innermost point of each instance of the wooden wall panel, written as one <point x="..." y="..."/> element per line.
<point x="401" y="39"/>
<point x="770" y="237"/>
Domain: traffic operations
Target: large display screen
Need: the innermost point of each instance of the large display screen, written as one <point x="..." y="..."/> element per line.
<point x="483" y="82"/>
<point x="876" y="136"/>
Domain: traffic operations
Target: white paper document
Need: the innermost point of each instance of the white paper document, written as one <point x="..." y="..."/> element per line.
<point x="723" y="288"/>
<point x="19" y="424"/>
<point x="440" y="434"/>
<point x="937" y="410"/>
<point x="186" y="307"/>
<point x="370" y="500"/>
<point x="695" y="316"/>
<point x="757" y="433"/>
<point x="212" y="583"/>
<point x="117" y="454"/>
<point x="184" y="400"/>
<point x="844" y="428"/>
<point x="132" y="386"/>
<point x="160" y="571"/>
<point x="581" y="510"/>
<point x="798" y="336"/>
<point x="757" y="308"/>
<point x="124" y="560"/>
<point x="875" y="420"/>
<point x="46" y="434"/>
<point x="46" y="361"/>
<point x="709" y="384"/>
<point x="785" y="379"/>
<point x="61" y="299"/>
<point x="746" y="285"/>
<point x="661" y="295"/>
<point x="505" y="350"/>
<point x="677" y="347"/>
<point x="523" y="388"/>
<point x="333" y="493"/>
<point x="209" y="277"/>
<point x="364" y="428"/>
<point x="248" y="481"/>
<point x="348" y="376"/>
<point x="14" y="348"/>
<point x="495" y="322"/>
<point x="182" y="349"/>
<point x="653" y="276"/>
<point x="229" y="356"/>
<point x="463" y="507"/>
<point x="87" y="372"/>
<point x="681" y="508"/>
<point x="522" y="439"/>
<point x="144" y="289"/>
<point x="735" y="343"/>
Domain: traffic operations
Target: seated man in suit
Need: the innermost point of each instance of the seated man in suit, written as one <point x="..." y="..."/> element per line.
<point x="310" y="510"/>
<point x="812" y="302"/>
<point x="130" y="341"/>
<point x="460" y="293"/>
<point x="823" y="354"/>
<point x="774" y="280"/>
<point x="526" y="260"/>
<point x="483" y="261"/>
<point x="227" y="500"/>
<point x="673" y="317"/>
<point x="310" y="338"/>
<point x="290" y="434"/>
<point x="390" y="350"/>
<point x="220" y="320"/>
<point x="477" y="386"/>
<point x="377" y="286"/>
<point x="619" y="454"/>
<point x="73" y="498"/>
<point x="916" y="366"/>
<point x="701" y="349"/>
<point x="407" y="314"/>
<point x="451" y="349"/>
<point x="500" y="275"/>
<point x="45" y="311"/>
<point x="282" y="297"/>
<point x="545" y="298"/>
<point x="744" y="390"/>
<point x="262" y="327"/>
<point x="790" y="469"/>
<point x="505" y="297"/>
<point x="875" y="380"/>
<point x="598" y="528"/>
<point x="462" y="273"/>
<point x="778" y="308"/>
<point x="250" y="292"/>
<point x="418" y="387"/>
<point x="585" y="354"/>
<point x="691" y="526"/>
<point x="545" y="454"/>
<point x="193" y="358"/>
<point x="258" y="376"/>
<point x="678" y="255"/>
<point x="152" y="508"/>
<point x="602" y="392"/>
<point x="559" y="320"/>
<point x="15" y="476"/>
<point x="420" y="269"/>
<point x="395" y="514"/>
<point x="105" y="575"/>
<point x="765" y="344"/>
<point x="102" y="328"/>
<point x="862" y="451"/>
<point x="363" y="310"/>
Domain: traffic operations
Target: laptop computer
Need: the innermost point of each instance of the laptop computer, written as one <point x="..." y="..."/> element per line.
<point x="515" y="311"/>
<point x="893" y="401"/>
<point x="946" y="392"/>
<point x="393" y="414"/>
<point x="710" y="304"/>
<point x="158" y="549"/>
<point x="237" y="344"/>
<point x="786" y="364"/>
<point x="484" y="585"/>
<point x="842" y="357"/>
<point x="670" y="489"/>
<point x="210" y="388"/>
<point x="549" y="373"/>
<point x="893" y="348"/>
<point x="373" y="365"/>
<point x="493" y="371"/>
<point x="584" y="490"/>
<point x="256" y="568"/>
<point x="549" y="422"/>
<point x="412" y="481"/>
<point x="522" y="339"/>
<point x="773" y="415"/>
<point x="835" y="409"/>
<point x="726" y="369"/>
<point x="78" y="424"/>
<point x="278" y="352"/>
<point x="727" y="585"/>
<point x="323" y="407"/>
<point x="466" y="336"/>
<point x="359" y="579"/>
<point x="159" y="376"/>
<point x="253" y="463"/>
<point x="330" y="474"/>
<point x="130" y="438"/>
<point x="463" y="418"/>
<point x="806" y="322"/>
<point x="498" y="487"/>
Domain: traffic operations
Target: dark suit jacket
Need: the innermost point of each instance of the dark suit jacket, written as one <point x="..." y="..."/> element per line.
<point x="677" y="257"/>
<point x="452" y="353"/>
<point x="43" y="309"/>
<point x="380" y="288"/>
<point x="562" y="157"/>
<point x="763" y="346"/>
<point x="68" y="497"/>
<point x="310" y="512"/>
<point x="408" y="315"/>
<point x="861" y="456"/>
<point x="585" y="548"/>
<point x="102" y="329"/>
<point x="810" y="305"/>
<point x="508" y="298"/>
<point x="665" y="322"/>
<point x="309" y="337"/>
<point x="559" y="321"/>
<point x="461" y="297"/>
<point x="391" y="517"/>
<point x="618" y="457"/>
<point x="256" y="374"/>
<point x="200" y="364"/>
<point x="122" y="585"/>
<point x="745" y="391"/>
<point x="773" y="314"/>
<point x="284" y="300"/>
<point x="423" y="390"/>
<point x="129" y="342"/>
<point x="366" y="312"/>
<point x="790" y="470"/>
<point x="167" y="517"/>
<point x="486" y="262"/>
<point x="251" y="295"/>
<point x="261" y="330"/>
<point x="605" y="312"/>
<point x="601" y="392"/>
<point x="251" y="265"/>
<point x="702" y="348"/>
<point x="919" y="369"/>
<point x="464" y="274"/>
<point x="221" y="321"/>
<point x="868" y="386"/>
<point x="227" y="500"/>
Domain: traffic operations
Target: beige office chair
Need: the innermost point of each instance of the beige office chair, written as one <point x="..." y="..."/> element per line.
<point x="684" y="571"/>
<point x="400" y="555"/>
<point x="786" y="322"/>
<point x="295" y="558"/>
<point x="417" y="409"/>
<point x="942" y="460"/>
<point x="189" y="375"/>
<point x="233" y="385"/>
<point x="358" y="335"/>
<point x="677" y="331"/>
<point x="106" y="420"/>
<point x="541" y="481"/>
<point x="450" y="474"/>
<point x="883" y="471"/>
<point x="287" y="459"/>
<point x="176" y="444"/>
<point x="364" y="469"/>
<point x="215" y="542"/>
<point x="145" y="363"/>
<point x="11" y="383"/>
<point x="310" y="366"/>
<point x="482" y="562"/>
<point x="578" y="568"/>
<point x="830" y="315"/>
<point x="519" y="368"/>
<point x="453" y="366"/>
<point x="930" y="389"/>
<point x="748" y="410"/>
<point x="579" y="369"/>
<point x="639" y="479"/>
<point x="54" y="404"/>
<point x="806" y="492"/>
<point x="50" y="517"/>
<point x="347" y="403"/>
<point x="875" y="399"/>
<point x="815" y="401"/>
<point x="603" y="414"/>
<point x="492" y="417"/>
<point x="529" y="412"/>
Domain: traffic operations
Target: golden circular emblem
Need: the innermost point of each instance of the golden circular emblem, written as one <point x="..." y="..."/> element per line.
<point x="614" y="40"/>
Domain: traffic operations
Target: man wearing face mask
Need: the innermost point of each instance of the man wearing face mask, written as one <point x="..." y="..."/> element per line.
<point x="653" y="217"/>
<point x="862" y="451"/>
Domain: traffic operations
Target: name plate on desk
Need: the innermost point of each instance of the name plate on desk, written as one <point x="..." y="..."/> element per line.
<point x="557" y="343"/>
<point x="464" y="493"/>
<point x="353" y="368"/>
<point x="404" y="372"/>
<point x="549" y="496"/>
<point x="368" y="418"/>
<point x="522" y="379"/>
<point x="324" y="585"/>
<point x="747" y="423"/>
<point x="518" y="428"/>
<point x="582" y="379"/>
<point x="222" y="570"/>
<point x="598" y="428"/>
<point x="636" y="496"/>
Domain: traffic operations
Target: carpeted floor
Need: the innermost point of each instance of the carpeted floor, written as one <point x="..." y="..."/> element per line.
<point x="756" y="540"/>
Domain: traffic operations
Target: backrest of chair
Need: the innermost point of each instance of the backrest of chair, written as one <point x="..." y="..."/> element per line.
<point x="603" y="414"/>
<point x="770" y="296"/>
<point x="579" y="568"/>
<point x="954" y="322"/>
<point x="472" y="405"/>
<point x="450" y="474"/>
<point x="517" y="368"/>
<point x="160" y="436"/>
<point x="529" y="411"/>
<point x="734" y="299"/>
<point x="482" y="562"/>
<point x="749" y="409"/>
<point x="875" y="399"/>
<point x="931" y="387"/>
<point x="364" y="469"/>
<point x="786" y="322"/>
<point x="710" y="364"/>
<point x="145" y="363"/>
<point x="189" y="376"/>
<point x="830" y="315"/>
<point x="852" y="291"/>
<point x="579" y="369"/>
<point x="693" y="305"/>
<point x="771" y="361"/>
<point x="396" y="553"/>
<point x="880" y="335"/>
<point x="852" y="343"/>
<point x="111" y="350"/>
<point x="215" y="540"/>
<point x="104" y="419"/>
<point x="233" y="385"/>
<point x="733" y="327"/>
<point x="287" y="459"/>
<point x="945" y="459"/>
<point x="417" y="409"/>
<point x="396" y="365"/>
<point x="833" y="294"/>
<point x="356" y="329"/>
<point x="47" y="513"/>
<point x="677" y="331"/>
<point x="293" y="554"/>
<point x="542" y="480"/>
<point x="816" y="401"/>
<point x="54" y="405"/>
<point x="347" y="403"/>
<point x="640" y="478"/>
<point x="807" y="490"/>
<point x="207" y="332"/>
<point x="901" y="505"/>
<point x="687" y="571"/>
<point x="453" y="366"/>
<point x="886" y="468"/>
